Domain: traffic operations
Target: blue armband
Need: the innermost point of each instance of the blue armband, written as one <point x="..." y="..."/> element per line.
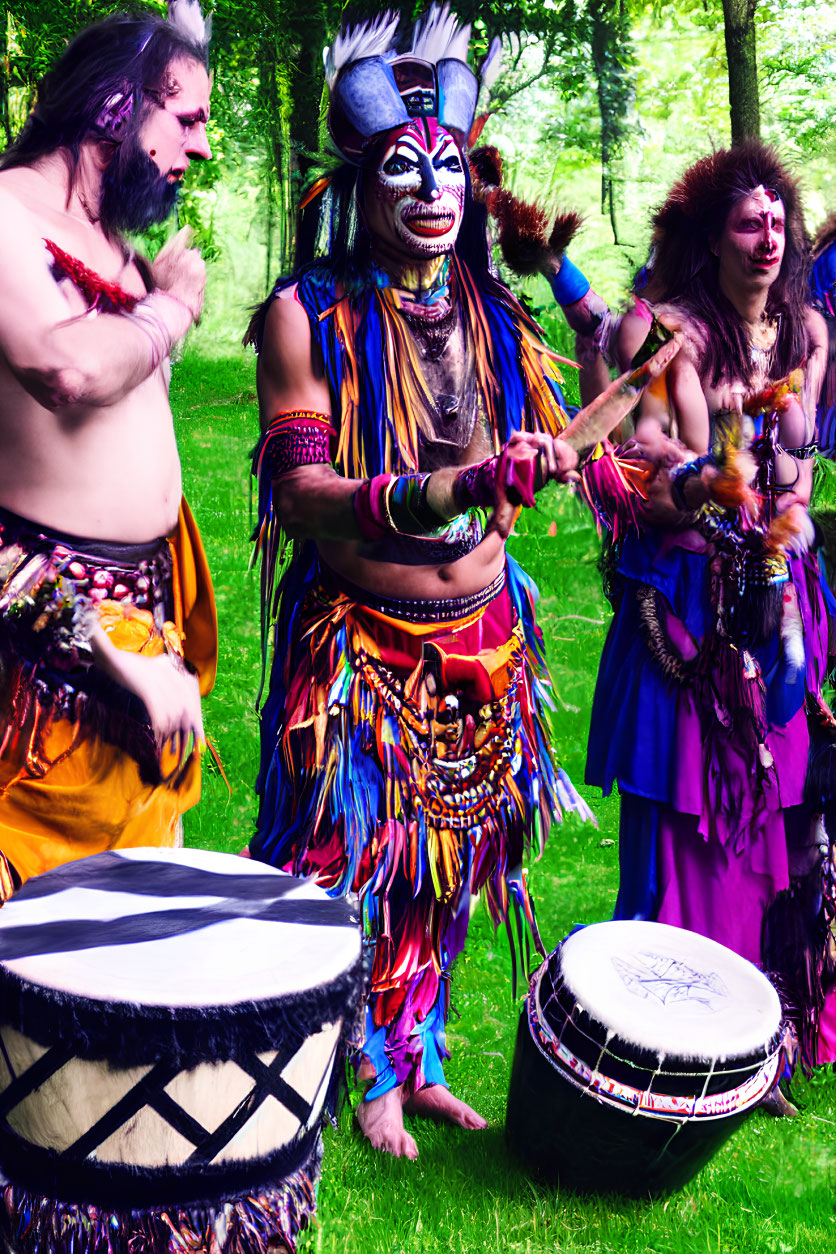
<point x="569" y="284"/>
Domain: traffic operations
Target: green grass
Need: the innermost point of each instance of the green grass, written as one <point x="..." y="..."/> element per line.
<point x="769" y="1191"/>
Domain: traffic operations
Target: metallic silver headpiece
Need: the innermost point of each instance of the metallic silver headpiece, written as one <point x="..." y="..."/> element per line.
<point x="374" y="90"/>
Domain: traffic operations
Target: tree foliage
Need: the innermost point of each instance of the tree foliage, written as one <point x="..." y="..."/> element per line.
<point x="602" y="103"/>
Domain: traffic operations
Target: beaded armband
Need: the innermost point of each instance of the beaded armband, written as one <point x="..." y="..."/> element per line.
<point x="300" y="437"/>
<point x="681" y="475"/>
<point x="395" y="504"/>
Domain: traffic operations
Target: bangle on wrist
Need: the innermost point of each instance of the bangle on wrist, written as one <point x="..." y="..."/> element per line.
<point x="475" y="487"/>
<point x="397" y="505"/>
<point x="162" y="292"/>
<point x="147" y="320"/>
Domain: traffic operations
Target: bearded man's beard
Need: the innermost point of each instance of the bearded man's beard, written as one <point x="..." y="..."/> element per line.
<point x="135" y="194"/>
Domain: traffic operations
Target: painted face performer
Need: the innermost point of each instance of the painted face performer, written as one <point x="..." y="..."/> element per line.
<point x="99" y="581"/>
<point x="717" y="650"/>
<point x="402" y="390"/>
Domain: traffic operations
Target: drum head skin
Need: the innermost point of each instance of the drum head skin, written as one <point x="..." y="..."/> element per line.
<point x="180" y="938"/>
<point x="670" y="991"/>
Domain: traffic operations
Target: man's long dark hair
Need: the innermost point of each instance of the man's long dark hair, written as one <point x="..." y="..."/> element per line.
<point x="119" y="55"/>
<point x="824" y="236"/>
<point x="685" y="270"/>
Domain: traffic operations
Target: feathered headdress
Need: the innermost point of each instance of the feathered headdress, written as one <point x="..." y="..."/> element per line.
<point x="187" y="18"/>
<point x="374" y="90"/>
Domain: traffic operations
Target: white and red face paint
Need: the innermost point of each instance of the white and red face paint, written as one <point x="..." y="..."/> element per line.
<point x="415" y="197"/>
<point x="751" y="246"/>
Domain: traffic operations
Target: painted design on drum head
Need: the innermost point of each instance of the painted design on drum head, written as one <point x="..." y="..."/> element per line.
<point x="668" y="980"/>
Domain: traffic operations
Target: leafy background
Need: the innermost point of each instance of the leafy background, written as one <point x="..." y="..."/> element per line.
<point x="603" y="104"/>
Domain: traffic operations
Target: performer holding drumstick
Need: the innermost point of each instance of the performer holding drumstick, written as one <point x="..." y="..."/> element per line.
<point x="403" y="389"/>
<point x="716" y="654"/>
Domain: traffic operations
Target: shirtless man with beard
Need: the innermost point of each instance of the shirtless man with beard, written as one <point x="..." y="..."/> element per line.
<point x="101" y="572"/>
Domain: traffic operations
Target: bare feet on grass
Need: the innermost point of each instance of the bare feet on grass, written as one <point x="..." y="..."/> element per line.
<point x="381" y="1122"/>
<point x="437" y="1102"/>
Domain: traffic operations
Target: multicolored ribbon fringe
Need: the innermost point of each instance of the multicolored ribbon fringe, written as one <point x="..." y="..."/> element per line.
<point x="267" y="1220"/>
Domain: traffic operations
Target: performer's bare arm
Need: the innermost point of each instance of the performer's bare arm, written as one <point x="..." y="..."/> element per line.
<point x="815" y="367"/>
<point x="689" y="406"/>
<point x="169" y="691"/>
<point x="84" y="416"/>
<point x="315" y="501"/>
<point x="629" y="336"/>
<point x="76" y="361"/>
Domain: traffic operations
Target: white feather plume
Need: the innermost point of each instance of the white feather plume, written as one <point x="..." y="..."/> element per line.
<point x="492" y="65"/>
<point x="188" y="19"/>
<point x="440" y="36"/>
<point x="792" y="633"/>
<point x="368" y="39"/>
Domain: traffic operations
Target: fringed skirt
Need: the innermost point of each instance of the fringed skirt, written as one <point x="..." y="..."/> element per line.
<point x="709" y="744"/>
<point x="406" y="759"/>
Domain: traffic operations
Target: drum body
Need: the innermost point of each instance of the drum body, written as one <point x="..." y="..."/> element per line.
<point x="640" y="1050"/>
<point x="170" y="1021"/>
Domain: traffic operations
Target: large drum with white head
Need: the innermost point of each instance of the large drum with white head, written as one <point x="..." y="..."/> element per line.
<point x="170" y="1022"/>
<point x="641" y="1048"/>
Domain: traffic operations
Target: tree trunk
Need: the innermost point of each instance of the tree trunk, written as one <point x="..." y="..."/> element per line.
<point x="5" y="120"/>
<point x="611" y="55"/>
<point x="307" y="33"/>
<point x="744" y="100"/>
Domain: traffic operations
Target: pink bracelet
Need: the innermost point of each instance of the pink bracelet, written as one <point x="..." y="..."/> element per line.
<point x="370" y="507"/>
<point x="476" y="486"/>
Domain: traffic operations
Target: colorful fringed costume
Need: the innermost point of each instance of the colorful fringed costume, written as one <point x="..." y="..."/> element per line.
<point x="79" y="770"/>
<point x="404" y="750"/>
<point x="713" y="663"/>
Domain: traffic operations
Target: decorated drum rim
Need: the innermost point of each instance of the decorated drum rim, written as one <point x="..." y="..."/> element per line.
<point x="138" y="1034"/>
<point x="678" y="975"/>
<point x="630" y="1100"/>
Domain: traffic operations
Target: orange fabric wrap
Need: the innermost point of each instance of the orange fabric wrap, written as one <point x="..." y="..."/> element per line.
<point x="196" y="615"/>
<point x="93" y="799"/>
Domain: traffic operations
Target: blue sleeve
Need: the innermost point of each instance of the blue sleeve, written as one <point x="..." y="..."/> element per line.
<point x="823" y="275"/>
<point x="569" y="284"/>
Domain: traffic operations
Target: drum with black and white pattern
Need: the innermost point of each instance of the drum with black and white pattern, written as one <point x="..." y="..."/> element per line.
<point x="169" y="1026"/>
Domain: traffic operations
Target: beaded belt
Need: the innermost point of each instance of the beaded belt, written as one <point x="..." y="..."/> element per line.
<point x="437" y="610"/>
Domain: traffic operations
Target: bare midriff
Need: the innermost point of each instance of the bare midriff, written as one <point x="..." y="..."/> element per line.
<point x="104" y="472"/>
<point x="462" y="578"/>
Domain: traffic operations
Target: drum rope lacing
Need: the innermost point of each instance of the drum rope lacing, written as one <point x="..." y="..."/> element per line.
<point x="760" y="1079"/>
<point x="150" y="1091"/>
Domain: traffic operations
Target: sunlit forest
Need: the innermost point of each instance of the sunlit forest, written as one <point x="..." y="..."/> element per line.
<point x="601" y="106"/>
